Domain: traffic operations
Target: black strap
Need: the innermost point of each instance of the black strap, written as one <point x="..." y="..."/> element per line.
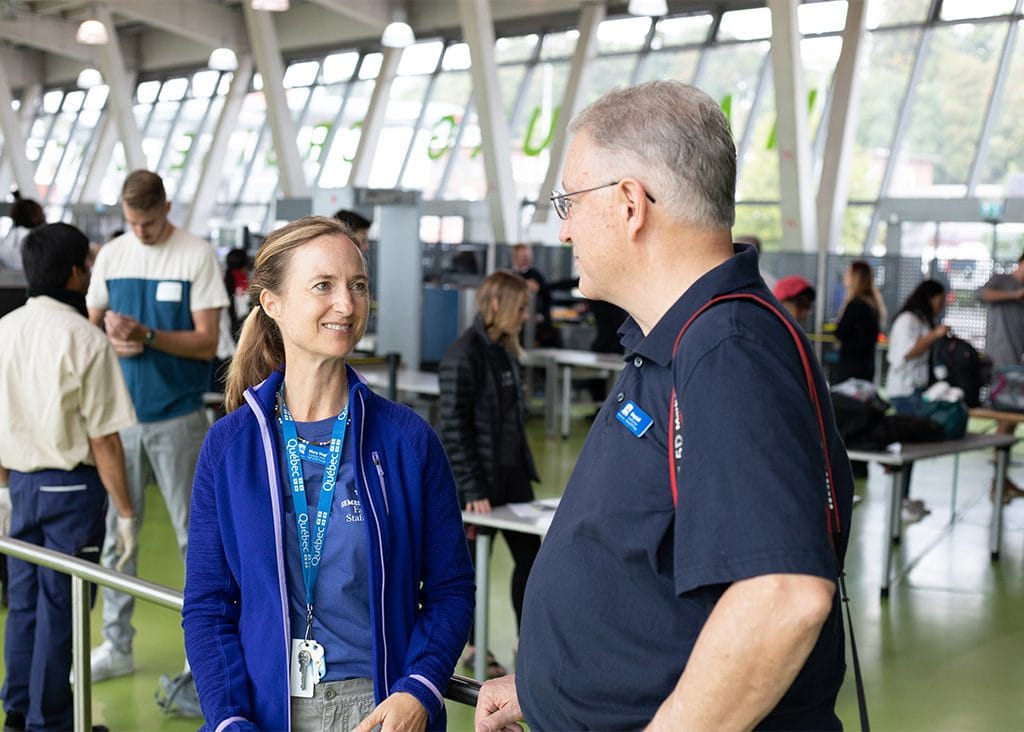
<point x="675" y="451"/>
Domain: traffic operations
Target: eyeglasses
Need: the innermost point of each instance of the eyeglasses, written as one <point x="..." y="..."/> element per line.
<point x="563" y="202"/>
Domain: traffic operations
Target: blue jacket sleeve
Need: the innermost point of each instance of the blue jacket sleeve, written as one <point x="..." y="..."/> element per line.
<point x="446" y="596"/>
<point x="211" y="607"/>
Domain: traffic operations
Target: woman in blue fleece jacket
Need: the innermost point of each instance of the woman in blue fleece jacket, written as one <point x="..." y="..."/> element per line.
<point x="328" y="580"/>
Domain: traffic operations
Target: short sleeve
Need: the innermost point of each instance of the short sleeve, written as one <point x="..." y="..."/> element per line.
<point x="106" y="404"/>
<point x="752" y="496"/>
<point x="208" y="289"/>
<point x="905" y="332"/>
<point x="98" y="298"/>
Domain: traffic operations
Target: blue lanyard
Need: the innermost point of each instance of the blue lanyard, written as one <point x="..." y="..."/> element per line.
<point x="311" y="547"/>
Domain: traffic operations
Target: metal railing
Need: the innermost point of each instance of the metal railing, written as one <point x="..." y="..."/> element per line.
<point x="460" y="689"/>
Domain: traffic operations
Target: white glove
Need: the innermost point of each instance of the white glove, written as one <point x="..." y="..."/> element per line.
<point x="127" y="545"/>
<point x="5" y="511"/>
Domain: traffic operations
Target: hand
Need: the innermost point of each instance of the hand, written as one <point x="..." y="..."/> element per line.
<point x="125" y="349"/>
<point x="127" y="545"/>
<point x="123" y="327"/>
<point x="481" y="506"/>
<point x="497" y="707"/>
<point x="5" y="511"/>
<point x="401" y="712"/>
<point x="941" y="331"/>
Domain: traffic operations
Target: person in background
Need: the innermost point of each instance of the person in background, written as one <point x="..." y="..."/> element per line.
<point x="522" y="264"/>
<point x="25" y="215"/>
<point x="328" y="584"/>
<point x="859" y="321"/>
<point x="158" y="292"/>
<point x="236" y="282"/>
<point x="483" y="426"/>
<point x="914" y="330"/>
<point x="656" y="602"/>
<point x="1003" y="296"/>
<point x="62" y="402"/>
<point x="755" y="241"/>
<point x="797" y="295"/>
<point x="360" y="226"/>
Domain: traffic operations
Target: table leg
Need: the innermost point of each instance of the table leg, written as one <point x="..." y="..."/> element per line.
<point x="566" y="399"/>
<point x="892" y="522"/>
<point x="996" y="525"/>
<point x="550" y="396"/>
<point x="483" y="558"/>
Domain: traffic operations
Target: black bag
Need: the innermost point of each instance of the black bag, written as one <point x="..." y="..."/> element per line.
<point x="965" y="369"/>
<point x="858" y="422"/>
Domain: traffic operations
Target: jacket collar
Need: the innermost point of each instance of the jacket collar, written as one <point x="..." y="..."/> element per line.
<point x="265" y="393"/>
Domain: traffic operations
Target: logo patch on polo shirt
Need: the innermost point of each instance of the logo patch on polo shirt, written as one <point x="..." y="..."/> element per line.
<point x="636" y="420"/>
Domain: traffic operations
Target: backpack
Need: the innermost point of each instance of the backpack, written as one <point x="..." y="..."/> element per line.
<point x="1007" y="390"/>
<point x="964" y="366"/>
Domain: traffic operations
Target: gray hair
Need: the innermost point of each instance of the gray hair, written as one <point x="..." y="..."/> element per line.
<point x="675" y="139"/>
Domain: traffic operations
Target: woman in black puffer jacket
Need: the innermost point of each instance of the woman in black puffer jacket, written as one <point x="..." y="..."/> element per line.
<point x="482" y="421"/>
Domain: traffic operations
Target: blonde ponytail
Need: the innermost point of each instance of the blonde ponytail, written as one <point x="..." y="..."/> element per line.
<point x="258" y="353"/>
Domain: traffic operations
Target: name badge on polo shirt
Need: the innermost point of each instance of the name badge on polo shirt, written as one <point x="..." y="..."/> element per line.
<point x="168" y="292"/>
<point x="636" y="420"/>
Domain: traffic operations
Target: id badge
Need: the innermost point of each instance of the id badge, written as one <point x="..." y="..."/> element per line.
<point x="634" y="418"/>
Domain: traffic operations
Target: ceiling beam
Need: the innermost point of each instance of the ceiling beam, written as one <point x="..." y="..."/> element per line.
<point x="373" y="13"/>
<point x="46" y="33"/>
<point x="209" y="23"/>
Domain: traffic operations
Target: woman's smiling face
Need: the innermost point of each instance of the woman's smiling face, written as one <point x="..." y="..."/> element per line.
<point x="323" y="304"/>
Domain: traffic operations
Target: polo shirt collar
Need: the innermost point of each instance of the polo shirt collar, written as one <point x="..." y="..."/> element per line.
<point x="739" y="272"/>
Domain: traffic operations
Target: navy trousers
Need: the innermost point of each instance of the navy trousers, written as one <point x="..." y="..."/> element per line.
<point x="64" y="511"/>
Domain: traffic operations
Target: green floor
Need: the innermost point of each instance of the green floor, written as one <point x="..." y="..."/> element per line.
<point x="944" y="652"/>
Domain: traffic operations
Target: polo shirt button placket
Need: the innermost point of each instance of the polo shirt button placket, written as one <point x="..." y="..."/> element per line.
<point x="620" y="396"/>
<point x="638" y="362"/>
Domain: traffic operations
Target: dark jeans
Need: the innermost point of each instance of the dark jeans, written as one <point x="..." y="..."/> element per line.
<point x="64" y="511"/>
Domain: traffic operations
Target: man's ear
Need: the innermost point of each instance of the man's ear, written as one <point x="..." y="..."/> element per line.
<point x="635" y="205"/>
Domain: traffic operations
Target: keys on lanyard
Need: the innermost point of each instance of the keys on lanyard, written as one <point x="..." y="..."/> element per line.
<point x="307" y="662"/>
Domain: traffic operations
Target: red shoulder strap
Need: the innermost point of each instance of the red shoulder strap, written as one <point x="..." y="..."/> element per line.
<point x="675" y="422"/>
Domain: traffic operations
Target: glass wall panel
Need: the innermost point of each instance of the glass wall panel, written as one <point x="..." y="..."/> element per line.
<point x="531" y="137"/>
<point x="242" y="146"/>
<point x="196" y="156"/>
<point x="963" y="9"/>
<point x="890" y="57"/>
<point x="821" y="17"/>
<point x="820" y="56"/>
<point x="680" y="65"/>
<point x="745" y="25"/>
<point x="468" y="181"/>
<point x="179" y="145"/>
<point x="420" y="58"/>
<point x="457" y="57"/>
<point x="765" y="222"/>
<point x="339" y="67"/>
<point x="158" y="131"/>
<point x="856" y="221"/>
<point x="895" y="12"/>
<point x="948" y="110"/>
<point x="1006" y="145"/>
<point x="324" y="105"/>
<point x="622" y="34"/>
<point x="758" y="171"/>
<point x="432" y="146"/>
<point x="173" y="90"/>
<point x="338" y="164"/>
<point x="559" y="45"/>
<point x="730" y="75"/>
<point x="677" y="31"/>
<point x="404" y="105"/>
<point x="302" y="73"/>
<point x="515" y="48"/>
<point x="608" y="72"/>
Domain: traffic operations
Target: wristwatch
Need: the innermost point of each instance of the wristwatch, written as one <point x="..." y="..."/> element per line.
<point x="149" y="337"/>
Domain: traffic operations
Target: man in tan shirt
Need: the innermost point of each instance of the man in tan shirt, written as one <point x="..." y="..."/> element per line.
<point x="62" y="402"/>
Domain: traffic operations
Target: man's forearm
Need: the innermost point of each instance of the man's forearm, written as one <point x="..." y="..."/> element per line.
<point x="109" y="455"/>
<point x="185" y="343"/>
<point x="5" y="476"/>
<point x="755" y="642"/>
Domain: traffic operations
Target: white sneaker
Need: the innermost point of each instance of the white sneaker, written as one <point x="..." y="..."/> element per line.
<point x="107" y="662"/>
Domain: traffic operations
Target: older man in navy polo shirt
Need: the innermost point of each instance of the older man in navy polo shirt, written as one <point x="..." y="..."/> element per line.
<point x="701" y="595"/>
